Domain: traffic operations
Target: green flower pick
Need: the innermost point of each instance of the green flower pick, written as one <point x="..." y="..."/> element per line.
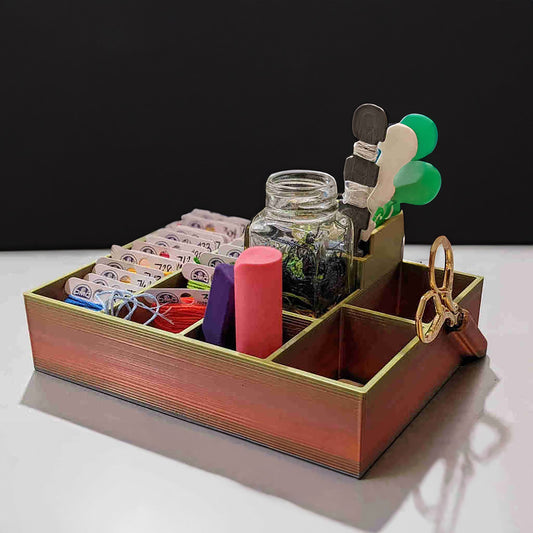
<point x="417" y="182"/>
<point x="426" y="133"/>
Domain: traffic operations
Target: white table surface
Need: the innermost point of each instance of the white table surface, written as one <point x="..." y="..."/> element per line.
<point x="74" y="460"/>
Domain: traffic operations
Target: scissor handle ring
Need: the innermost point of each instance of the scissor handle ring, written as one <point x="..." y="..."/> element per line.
<point x="447" y="282"/>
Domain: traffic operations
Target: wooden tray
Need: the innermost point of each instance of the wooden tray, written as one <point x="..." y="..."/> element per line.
<point x="294" y="401"/>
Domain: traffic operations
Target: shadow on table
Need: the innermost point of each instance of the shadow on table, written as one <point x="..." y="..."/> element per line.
<point x="441" y="433"/>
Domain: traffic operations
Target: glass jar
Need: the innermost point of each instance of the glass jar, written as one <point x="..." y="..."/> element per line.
<point x="301" y="219"/>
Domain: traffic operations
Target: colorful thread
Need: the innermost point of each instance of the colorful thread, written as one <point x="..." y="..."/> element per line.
<point x="175" y="317"/>
<point x="119" y="299"/>
<point x="83" y="302"/>
<point x="194" y="284"/>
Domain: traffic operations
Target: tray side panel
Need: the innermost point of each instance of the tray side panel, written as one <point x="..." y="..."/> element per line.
<point x="403" y="387"/>
<point x="385" y="252"/>
<point x="257" y="400"/>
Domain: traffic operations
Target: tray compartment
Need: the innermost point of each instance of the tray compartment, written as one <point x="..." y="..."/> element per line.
<point x="172" y="281"/>
<point x="351" y="343"/>
<point x="55" y="289"/>
<point x="398" y="292"/>
<point x="293" y="324"/>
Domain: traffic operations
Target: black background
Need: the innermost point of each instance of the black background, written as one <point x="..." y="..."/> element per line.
<point x="118" y="116"/>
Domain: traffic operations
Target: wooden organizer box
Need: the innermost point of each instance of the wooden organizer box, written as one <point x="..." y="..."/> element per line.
<point x="337" y="393"/>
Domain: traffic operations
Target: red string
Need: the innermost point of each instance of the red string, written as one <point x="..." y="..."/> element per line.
<point x="181" y="315"/>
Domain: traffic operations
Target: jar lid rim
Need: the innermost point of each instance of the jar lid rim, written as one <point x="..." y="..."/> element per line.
<point x="302" y="181"/>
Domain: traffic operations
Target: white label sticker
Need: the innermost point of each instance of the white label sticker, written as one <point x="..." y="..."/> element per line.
<point x="231" y="231"/>
<point x="239" y="221"/>
<point x="166" y="296"/>
<point x="230" y="250"/>
<point x="137" y="269"/>
<point x="181" y="256"/>
<point x="123" y="275"/>
<point x="169" y="243"/>
<point x="179" y="236"/>
<point x="85" y="289"/>
<point x="204" y="213"/>
<point x="213" y="260"/>
<point x="218" y="238"/>
<point x="110" y="283"/>
<point x="195" y="272"/>
<point x="144" y="259"/>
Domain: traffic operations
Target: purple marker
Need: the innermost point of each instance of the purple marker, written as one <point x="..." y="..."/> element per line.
<point x="219" y="320"/>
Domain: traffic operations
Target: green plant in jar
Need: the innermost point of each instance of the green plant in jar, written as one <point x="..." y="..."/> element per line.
<point x="301" y="219"/>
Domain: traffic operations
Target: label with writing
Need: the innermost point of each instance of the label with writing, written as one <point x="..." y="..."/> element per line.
<point x="196" y="272"/>
<point x="125" y="265"/>
<point x="166" y="296"/>
<point x="169" y="243"/>
<point x="212" y="260"/>
<point x="239" y="221"/>
<point x="86" y="289"/>
<point x="123" y="275"/>
<point x="181" y="256"/>
<point x="179" y="236"/>
<point x="218" y="238"/>
<point x="230" y="250"/>
<point x="232" y="231"/>
<point x="111" y="283"/>
<point x="141" y="258"/>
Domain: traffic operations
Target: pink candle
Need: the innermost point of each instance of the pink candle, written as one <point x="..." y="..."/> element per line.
<point x="258" y="319"/>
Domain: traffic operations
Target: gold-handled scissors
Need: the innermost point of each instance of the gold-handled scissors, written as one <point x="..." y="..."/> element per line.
<point x="446" y="310"/>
